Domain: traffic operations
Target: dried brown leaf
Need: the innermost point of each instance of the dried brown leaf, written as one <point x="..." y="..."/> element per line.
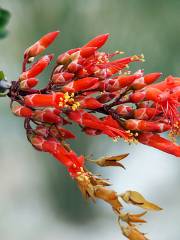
<point x="108" y="196"/>
<point x="110" y="161"/>
<point x="132" y="218"/>
<point x="136" y="198"/>
<point x="132" y="233"/>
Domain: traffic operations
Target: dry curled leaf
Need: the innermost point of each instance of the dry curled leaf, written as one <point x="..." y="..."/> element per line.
<point x="94" y="187"/>
<point x="108" y="196"/>
<point x="85" y="186"/>
<point x="110" y="161"/>
<point x="136" y="198"/>
<point x="132" y="218"/>
<point x="95" y="180"/>
<point x="133" y="233"/>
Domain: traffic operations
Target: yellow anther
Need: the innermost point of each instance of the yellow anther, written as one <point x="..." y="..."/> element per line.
<point x="142" y="58"/>
<point x="138" y="57"/>
<point x="66" y="95"/>
<point x="134" y="58"/>
<point x="68" y="100"/>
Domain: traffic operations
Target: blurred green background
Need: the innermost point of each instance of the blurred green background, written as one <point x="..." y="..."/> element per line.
<point x="38" y="200"/>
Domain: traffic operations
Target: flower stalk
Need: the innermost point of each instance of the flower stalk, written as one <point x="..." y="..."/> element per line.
<point x="84" y="82"/>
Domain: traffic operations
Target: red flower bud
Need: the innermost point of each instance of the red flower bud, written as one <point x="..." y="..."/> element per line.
<point x="98" y="41"/>
<point x="81" y="84"/>
<point x="41" y="44"/>
<point x="37" y="141"/>
<point x="106" y="97"/>
<point x="146" y="113"/>
<point x="62" y="77"/>
<point x="144" y="81"/>
<point x="22" y="111"/>
<point x="46" y="116"/>
<point x="65" y="57"/>
<point x="154" y="140"/>
<point x="28" y="83"/>
<point x="90" y="103"/>
<point x="74" y="66"/>
<point x="152" y="77"/>
<point x="125" y="111"/>
<point x="87" y="51"/>
<point x="142" y="125"/>
<point x="62" y="133"/>
<point x="42" y="130"/>
<point x="43" y="100"/>
<point x="37" y="67"/>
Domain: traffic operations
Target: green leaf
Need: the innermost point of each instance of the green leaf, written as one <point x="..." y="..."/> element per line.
<point x="4" y="19"/>
<point x="2" y="76"/>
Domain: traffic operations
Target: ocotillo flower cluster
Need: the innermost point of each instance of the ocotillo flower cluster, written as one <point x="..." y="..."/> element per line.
<point x="85" y="82"/>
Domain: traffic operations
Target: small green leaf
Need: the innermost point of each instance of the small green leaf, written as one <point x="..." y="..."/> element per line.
<point x="2" y="76"/>
<point x="4" y="19"/>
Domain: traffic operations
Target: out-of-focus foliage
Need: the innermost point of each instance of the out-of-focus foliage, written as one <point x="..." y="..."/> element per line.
<point x="4" y="19"/>
<point x="2" y="75"/>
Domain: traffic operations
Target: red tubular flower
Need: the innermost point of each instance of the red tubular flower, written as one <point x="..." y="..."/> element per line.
<point x="106" y="97"/>
<point x="43" y="100"/>
<point x="37" y="68"/>
<point x="154" y="140"/>
<point x="124" y="110"/>
<point x="98" y="41"/>
<point x="115" y="84"/>
<point x="119" y="64"/>
<point x="28" y="83"/>
<point x="147" y="126"/>
<point x="41" y="45"/>
<point x="81" y="84"/>
<point x="21" y="111"/>
<point x="87" y="51"/>
<point x="37" y="142"/>
<point x="64" y="77"/>
<point x="146" y="113"/>
<point x="90" y="103"/>
<point x="42" y="131"/>
<point x="46" y="116"/>
<point x="146" y="80"/>
<point x="59" y="132"/>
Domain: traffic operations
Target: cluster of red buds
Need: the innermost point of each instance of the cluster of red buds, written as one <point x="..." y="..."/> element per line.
<point x="102" y="96"/>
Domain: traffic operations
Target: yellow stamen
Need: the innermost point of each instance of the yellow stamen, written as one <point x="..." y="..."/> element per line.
<point x="68" y="101"/>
